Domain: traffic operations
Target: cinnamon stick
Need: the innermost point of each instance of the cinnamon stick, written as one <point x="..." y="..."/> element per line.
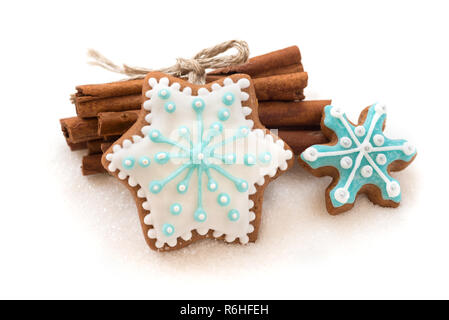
<point x="76" y="146"/>
<point x="93" y="107"/>
<point x="105" y="146"/>
<point x="282" y="61"/>
<point x="91" y="92"/>
<point x="94" y="146"/>
<point x="115" y="123"/>
<point x="300" y="140"/>
<point x="275" y="114"/>
<point x="92" y="164"/>
<point x="77" y="130"/>
<point x="272" y="114"/>
<point x="281" y="87"/>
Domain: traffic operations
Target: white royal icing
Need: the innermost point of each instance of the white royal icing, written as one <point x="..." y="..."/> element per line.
<point x="181" y="202"/>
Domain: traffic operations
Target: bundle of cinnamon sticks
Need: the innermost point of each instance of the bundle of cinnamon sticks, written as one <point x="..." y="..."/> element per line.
<point x="106" y="111"/>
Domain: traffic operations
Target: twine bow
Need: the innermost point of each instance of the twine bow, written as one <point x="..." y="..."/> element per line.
<point x="193" y="69"/>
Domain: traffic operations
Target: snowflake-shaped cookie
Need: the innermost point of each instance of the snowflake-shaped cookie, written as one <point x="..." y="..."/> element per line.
<point x="359" y="158"/>
<point x="197" y="163"/>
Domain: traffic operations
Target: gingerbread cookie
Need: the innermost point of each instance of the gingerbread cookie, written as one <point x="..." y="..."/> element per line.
<point x="359" y="158"/>
<point x="197" y="161"/>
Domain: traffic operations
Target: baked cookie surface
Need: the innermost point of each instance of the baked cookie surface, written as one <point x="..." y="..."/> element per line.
<point x="197" y="161"/>
<point x="359" y="157"/>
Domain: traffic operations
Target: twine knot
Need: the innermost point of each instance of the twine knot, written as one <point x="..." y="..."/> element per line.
<point x="196" y="73"/>
<point x="193" y="69"/>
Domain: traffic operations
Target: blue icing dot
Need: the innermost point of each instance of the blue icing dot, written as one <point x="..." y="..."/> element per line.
<point x="216" y="126"/>
<point x="168" y="229"/>
<point x="144" y="162"/>
<point x="182" y="187"/>
<point x="265" y="157"/>
<point x="228" y="98"/>
<point x="212" y="185"/>
<point x="200" y="215"/>
<point x="128" y="162"/>
<point x="233" y="215"/>
<point x="229" y="158"/>
<point x="224" y="114"/>
<point x="170" y="107"/>
<point x="183" y="131"/>
<point x="161" y="157"/>
<point x="198" y="104"/>
<point x="164" y="94"/>
<point x="242" y="132"/>
<point x="155" y="187"/>
<point x="249" y="159"/>
<point x="155" y="135"/>
<point x="175" y="209"/>
<point x="223" y="199"/>
<point x="241" y="185"/>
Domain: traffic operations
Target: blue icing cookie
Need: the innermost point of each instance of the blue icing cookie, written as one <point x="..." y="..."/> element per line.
<point x="362" y="155"/>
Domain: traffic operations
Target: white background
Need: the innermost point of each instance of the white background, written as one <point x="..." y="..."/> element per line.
<point x="63" y="235"/>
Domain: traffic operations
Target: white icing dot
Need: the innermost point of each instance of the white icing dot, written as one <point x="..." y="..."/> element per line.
<point x="234" y="216"/>
<point x="381" y="108"/>
<point x="163" y="93"/>
<point x="360" y="131"/>
<point x="201" y="216"/>
<point x="367" y="171"/>
<point x="213" y="186"/>
<point x="345" y="142"/>
<point x="183" y="130"/>
<point x="244" y="185"/>
<point x="147" y="219"/>
<point x="267" y="157"/>
<point x="336" y="112"/>
<point x="176" y="208"/>
<point x="151" y="234"/>
<point x="200" y="156"/>
<point x="378" y="140"/>
<point x="367" y="147"/>
<point x="393" y="189"/>
<point x="198" y="104"/>
<point x="170" y="107"/>
<point x="381" y="159"/>
<point x="408" y="148"/>
<point x="155" y="134"/>
<point x="311" y="154"/>
<point x="128" y="162"/>
<point x="161" y="156"/>
<point x="346" y="162"/>
<point x="182" y="187"/>
<point x="229" y="97"/>
<point x="223" y="199"/>
<point x="341" y="195"/>
<point x="155" y="188"/>
<point x="145" y="161"/>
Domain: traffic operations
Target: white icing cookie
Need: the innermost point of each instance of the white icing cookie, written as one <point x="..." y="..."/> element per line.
<point x="193" y="163"/>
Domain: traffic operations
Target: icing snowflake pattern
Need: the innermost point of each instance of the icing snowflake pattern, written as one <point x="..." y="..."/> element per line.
<point x="198" y="161"/>
<point x="361" y="155"/>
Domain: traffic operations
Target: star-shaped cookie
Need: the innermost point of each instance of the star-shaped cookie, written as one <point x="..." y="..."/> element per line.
<point x="197" y="161"/>
<point x="359" y="157"/>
